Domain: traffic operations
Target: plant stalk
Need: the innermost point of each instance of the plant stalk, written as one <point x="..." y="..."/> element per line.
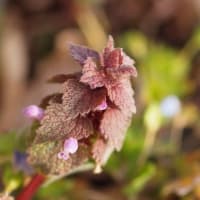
<point x="30" y="189"/>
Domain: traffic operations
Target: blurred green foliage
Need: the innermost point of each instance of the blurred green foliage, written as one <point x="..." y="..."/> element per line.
<point x="56" y="190"/>
<point x="162" y="70"/>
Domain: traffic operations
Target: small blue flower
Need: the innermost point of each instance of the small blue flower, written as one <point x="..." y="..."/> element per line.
<point x="20" y="162"/>
<point x="170" y="106"/>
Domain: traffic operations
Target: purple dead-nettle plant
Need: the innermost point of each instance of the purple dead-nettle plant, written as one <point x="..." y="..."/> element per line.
<point x="89" y="119"/>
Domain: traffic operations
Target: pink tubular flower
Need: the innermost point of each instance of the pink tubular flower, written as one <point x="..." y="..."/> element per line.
<point x="102" y="106"/>
<point x="70" y="147"/>
<point x="33" y="112"/>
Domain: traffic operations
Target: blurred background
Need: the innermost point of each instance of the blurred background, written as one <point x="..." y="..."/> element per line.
<point x="161" y="155"/>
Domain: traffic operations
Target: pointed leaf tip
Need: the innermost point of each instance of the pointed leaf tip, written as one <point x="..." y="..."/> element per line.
<point x="81" y="53"/>
<point x="110" y="42"/>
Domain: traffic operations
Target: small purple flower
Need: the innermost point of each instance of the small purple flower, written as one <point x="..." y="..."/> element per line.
<point x="70" y="147"/>
<point x="102" y="106"/>
<point x="63" y="155"/>
<point x="33" y="112"/>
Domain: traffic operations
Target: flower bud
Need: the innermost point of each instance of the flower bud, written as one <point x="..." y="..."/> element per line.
<point x="33" y="112"/>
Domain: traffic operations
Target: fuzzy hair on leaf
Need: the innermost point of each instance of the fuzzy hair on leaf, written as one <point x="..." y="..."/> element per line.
<point x="44" y="156"/>
<point x="113" y="127"/>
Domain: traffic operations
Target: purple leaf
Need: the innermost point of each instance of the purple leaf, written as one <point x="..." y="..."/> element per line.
<point x="122" y="72"/>
<point x="109" y="47"/>
<point x="113" y="127"/>
<point x="61" y="78"/>
<point x="83" y="128"/>
<point x="78" y="99"/>
<point x="53" y="98"/>
<point x="114" y="59"/>
<point x="121" y="94"/>
<point x="81" y="53"/>
<point x="56" y="125"/>
<point x="127" y="60"/>
<point x="91" y="75"/>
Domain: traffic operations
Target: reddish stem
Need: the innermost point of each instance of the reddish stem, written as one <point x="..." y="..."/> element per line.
<point x="30" y="189"/>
